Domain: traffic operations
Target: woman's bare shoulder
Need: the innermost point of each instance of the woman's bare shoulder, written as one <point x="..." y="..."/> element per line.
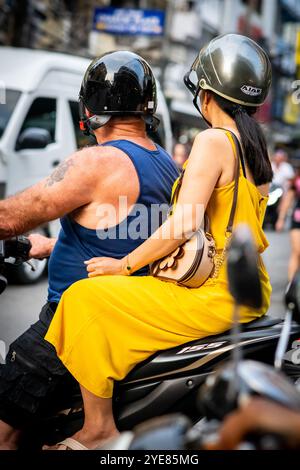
<point x="216" y="136"/>
<point x="213" y="142"/>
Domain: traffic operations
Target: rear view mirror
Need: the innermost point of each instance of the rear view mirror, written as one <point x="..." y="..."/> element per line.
<point x="34" y="138"/>
<point x="292" y="297"/>
<point x="242" y="269"/>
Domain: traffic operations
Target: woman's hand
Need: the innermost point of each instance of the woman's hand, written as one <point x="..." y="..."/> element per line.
<point x="106" y="266"/>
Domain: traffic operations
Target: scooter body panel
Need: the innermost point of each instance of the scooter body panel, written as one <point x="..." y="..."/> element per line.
<point x="169" y="380"/>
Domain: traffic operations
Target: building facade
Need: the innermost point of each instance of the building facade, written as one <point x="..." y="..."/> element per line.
<point x="67" y="25"/>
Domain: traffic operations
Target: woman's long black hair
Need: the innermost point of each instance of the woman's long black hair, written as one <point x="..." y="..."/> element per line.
<point x="252" y="139"/>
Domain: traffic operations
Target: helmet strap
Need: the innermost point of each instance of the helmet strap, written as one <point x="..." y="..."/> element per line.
<point x="152" y="122"/>
<point x="95" y="122"/>
<point x="209" y="124"/>
<point x="195" y="91"/>
<point x="84" y="120"/>
<point x="90" y="124"/>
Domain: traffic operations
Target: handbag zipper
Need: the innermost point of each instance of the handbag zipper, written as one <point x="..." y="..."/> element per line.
<point x="192" y="269"/>
<point x="194" y="266"/>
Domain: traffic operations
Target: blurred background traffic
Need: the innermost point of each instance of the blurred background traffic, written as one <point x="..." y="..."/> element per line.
<point x="168" y="33"/>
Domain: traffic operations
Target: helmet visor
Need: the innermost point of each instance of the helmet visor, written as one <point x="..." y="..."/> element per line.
<point x="191" y="79"/>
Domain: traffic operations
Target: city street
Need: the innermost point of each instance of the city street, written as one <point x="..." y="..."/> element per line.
<point x="20" y="305"/>
<point x="103" y="106"/>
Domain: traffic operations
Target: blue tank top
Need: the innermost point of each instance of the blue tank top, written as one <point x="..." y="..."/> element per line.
<point x="156" y="172"/>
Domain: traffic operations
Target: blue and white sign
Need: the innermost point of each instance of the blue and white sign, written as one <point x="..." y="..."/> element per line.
<point x="129" y="21"/>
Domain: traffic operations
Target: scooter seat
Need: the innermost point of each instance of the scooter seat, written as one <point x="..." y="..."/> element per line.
<point x="164" y="362"/>
<point x="264" y="322"/>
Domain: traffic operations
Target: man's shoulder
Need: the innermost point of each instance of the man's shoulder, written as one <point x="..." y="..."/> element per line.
<point x="94" y="151"/>
<point x="99" y="156"/>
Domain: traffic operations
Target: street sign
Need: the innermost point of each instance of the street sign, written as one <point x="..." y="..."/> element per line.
<point x="129" y="21"/>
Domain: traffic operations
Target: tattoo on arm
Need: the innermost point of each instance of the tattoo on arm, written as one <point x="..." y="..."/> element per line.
<point x="59" y="173"/>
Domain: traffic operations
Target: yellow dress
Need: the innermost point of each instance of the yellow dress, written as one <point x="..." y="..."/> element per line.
<point x="104" y="326"/>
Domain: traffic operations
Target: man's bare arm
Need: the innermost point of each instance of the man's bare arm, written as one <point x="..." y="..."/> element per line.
<point x="59" y="173"/>
<point x="70" y="186"/>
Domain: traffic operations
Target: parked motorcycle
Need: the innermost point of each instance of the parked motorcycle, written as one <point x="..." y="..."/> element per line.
<point x="169" y="381"/>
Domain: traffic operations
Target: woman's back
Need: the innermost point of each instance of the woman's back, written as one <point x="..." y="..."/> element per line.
<point x="251" y="207"/>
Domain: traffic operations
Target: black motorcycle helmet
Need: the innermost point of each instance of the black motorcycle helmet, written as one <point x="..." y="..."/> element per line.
<point x="234" y="67"/>
<point x="119" y="83"/>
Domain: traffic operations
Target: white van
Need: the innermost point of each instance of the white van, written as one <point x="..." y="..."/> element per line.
<point x="39" y="123"/>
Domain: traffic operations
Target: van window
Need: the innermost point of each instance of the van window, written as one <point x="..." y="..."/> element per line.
<point x="42" y="114"/>
<point x="6" y="108"/>
<point x="81" y="139"/>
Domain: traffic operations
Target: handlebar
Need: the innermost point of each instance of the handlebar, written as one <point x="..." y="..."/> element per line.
<point x="17" y="247"/>
<point x="176" y="432"/>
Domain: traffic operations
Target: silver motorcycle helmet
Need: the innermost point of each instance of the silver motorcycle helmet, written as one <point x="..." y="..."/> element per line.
<point x="234" y="67"/>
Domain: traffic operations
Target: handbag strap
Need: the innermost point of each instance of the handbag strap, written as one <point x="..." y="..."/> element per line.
<point x="238" y="153"/>
<point x="177" y="188"/>
<point x="238" y="156"/>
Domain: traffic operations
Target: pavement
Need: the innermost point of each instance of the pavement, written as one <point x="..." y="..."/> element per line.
<point x="20" y="305"/>
<point x="276" y="259"/>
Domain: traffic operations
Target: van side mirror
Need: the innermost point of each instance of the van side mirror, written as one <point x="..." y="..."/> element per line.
<point x="242" y="269"/>
<point x="33" y="138"/>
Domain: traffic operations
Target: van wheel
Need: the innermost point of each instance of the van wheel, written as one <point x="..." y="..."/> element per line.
<point x="24" y="274"/>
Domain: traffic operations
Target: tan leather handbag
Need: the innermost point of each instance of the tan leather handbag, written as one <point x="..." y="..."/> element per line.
<point x="192" y="263"/>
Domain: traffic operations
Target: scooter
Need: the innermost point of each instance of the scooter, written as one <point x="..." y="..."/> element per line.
<point x="167" y="382"/>
<point x="233" y="383"/>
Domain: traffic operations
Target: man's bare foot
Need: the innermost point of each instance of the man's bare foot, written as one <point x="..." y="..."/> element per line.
<point x="9" y="437"/>
<point x="8" y="446"/>
<point x="88" y="439"/>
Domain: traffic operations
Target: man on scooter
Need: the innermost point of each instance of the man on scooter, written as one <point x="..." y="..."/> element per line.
<point x="105" y="196"/>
